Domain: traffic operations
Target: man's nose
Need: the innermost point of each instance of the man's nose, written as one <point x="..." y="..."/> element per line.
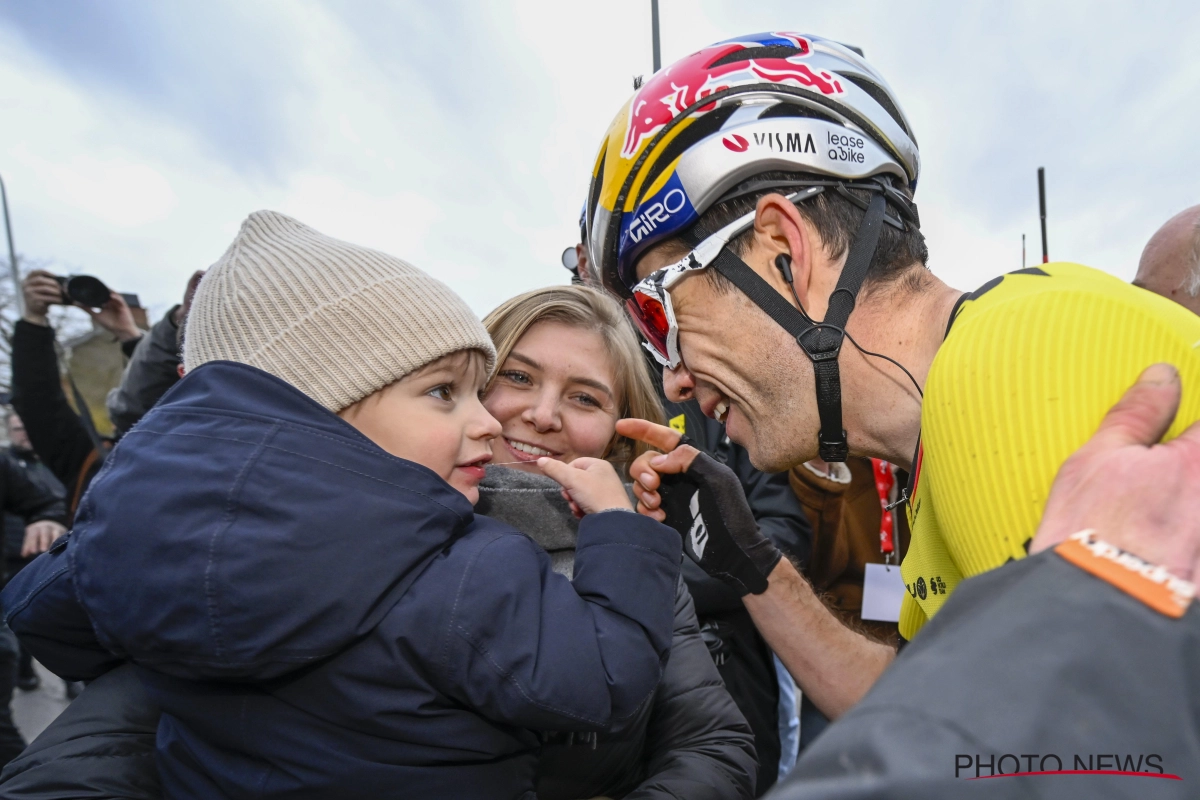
<point x="678" y="384"/>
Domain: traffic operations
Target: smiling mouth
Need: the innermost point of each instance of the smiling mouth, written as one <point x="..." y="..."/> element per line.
<point x="721" y="411"/>
<point x="525" y="451"/>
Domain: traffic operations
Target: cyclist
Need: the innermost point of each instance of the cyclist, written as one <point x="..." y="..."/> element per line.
<point x="766" y="183"/>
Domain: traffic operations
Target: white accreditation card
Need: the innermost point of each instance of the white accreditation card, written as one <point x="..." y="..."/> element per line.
<point x="883" y="589"/>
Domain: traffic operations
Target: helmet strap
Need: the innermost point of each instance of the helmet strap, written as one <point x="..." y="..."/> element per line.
<point x="821" y="341"/>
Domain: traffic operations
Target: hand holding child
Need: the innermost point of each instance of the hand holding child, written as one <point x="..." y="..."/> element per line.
<point x="591" y="485"/>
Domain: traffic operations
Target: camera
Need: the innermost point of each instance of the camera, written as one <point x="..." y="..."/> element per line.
<point x="83" y="289"/>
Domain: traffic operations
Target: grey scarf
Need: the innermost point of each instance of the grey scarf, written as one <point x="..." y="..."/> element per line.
<point x="534" y="505"/>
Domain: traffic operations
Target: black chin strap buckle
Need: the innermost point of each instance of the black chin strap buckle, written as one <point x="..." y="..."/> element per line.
<point x="833" y="450"/>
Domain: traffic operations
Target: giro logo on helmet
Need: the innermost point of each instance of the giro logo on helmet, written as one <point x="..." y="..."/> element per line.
<point x="657" y="213"/>
<point x="679" y="86"/>
<point x="736" y="143"/>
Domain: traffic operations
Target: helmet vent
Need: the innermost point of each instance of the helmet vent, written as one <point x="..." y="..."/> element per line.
<point x="794" y="110"/>
<point x="880" y="96"/>
<point x="704" y="126"/>
<point x="747" y="53"/>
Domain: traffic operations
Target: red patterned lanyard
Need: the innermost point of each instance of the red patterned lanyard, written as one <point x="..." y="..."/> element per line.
<point x="885" y="480"/>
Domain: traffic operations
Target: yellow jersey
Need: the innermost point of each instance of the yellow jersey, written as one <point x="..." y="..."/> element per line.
<point x="1031" y="363"/>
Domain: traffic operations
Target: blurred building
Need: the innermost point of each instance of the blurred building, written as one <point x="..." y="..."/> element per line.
<point x="96" y="363"/>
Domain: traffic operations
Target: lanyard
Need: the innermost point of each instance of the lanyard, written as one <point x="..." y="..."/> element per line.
<point x="885" y="480"/>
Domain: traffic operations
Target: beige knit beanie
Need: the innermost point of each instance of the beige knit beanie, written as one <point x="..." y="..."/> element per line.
<point x="333" y="319"/>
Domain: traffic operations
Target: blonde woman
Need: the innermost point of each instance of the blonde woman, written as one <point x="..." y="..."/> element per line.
<point x="569" y="365"/>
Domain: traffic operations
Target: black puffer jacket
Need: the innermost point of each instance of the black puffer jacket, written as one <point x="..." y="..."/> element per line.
<point x="741" y="654"/>
<point x="14" y="524"/>
<point x="690" y="742"/>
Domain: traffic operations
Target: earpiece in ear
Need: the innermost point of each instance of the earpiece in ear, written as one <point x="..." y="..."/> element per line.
<point x="783" y="263"/>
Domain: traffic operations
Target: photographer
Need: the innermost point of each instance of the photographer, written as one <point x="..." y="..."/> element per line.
<point x="153" y="366"/>
<point x="60" y="437"/>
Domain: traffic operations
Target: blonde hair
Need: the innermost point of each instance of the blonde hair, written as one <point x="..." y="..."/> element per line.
<point x="582" y="307"/>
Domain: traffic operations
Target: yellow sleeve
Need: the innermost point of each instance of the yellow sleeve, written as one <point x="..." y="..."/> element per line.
<point x="1021" y="382"/>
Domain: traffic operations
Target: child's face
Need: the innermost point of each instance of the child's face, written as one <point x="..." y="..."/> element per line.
<point x="434" y="417"/>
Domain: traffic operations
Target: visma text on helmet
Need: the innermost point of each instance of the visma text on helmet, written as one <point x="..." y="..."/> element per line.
<point x="786" y="143"/>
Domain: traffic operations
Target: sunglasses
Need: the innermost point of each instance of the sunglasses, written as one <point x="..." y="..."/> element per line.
<point x="650" y="306"/>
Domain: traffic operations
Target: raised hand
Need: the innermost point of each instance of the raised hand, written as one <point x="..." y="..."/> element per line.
<point x="703" y="500"/>
<point x="647" y="469"/>
<point x="1134" y="493"/>
<point x="591" y="485"/>
<point x="115" y="317"/>
<point x="41" y="290"/>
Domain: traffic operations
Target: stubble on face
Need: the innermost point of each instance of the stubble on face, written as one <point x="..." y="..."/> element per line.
<point x="733" y="348"/>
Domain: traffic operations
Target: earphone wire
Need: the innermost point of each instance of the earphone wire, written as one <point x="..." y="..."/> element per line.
<point x="860" y="348"/>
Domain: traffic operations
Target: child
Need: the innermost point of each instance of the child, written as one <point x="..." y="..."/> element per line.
<point x="285" y="548"/>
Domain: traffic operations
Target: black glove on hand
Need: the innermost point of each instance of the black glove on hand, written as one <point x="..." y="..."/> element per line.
<point x="708" y="507"/>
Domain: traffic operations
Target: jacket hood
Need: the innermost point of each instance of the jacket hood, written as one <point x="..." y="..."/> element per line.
<point x="241" y="530"/>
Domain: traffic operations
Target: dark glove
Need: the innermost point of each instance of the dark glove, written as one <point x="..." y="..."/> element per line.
<point x="707" y="506"/>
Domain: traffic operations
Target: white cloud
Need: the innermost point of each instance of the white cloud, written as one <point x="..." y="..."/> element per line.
<point x="116" y="191"/>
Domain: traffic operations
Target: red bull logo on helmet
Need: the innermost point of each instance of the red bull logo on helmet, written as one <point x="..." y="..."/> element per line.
<point x="676" y="88"/>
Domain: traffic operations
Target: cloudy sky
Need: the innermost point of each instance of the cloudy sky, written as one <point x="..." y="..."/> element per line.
<point x="135" y="135"/>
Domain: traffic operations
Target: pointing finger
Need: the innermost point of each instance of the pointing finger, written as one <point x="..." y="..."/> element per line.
<point x="655" y="435"/>
<point x="553" y="468"/>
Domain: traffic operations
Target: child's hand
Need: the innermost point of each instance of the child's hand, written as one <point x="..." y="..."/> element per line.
<point x="591" y="485"/>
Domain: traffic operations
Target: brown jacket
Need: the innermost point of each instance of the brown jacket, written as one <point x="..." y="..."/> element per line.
<point x="845" y="520"/>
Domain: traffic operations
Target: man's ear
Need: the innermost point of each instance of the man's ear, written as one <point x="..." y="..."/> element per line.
<point x="780" y="229"/>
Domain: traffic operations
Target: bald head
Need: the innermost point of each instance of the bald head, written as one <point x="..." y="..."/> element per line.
<point x="1170" y="264"/>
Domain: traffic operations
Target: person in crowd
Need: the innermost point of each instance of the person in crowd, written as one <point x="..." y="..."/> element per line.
<point x="569" y="366"/>
<point x="727" y="290"/>
<point x="43" y="514"/>
<point x="333" y="392"/>
<point x="846" y="502"/>
<point x="154" y="365"/>
<point x="761" y="687"/>
<point x="63" y="440"/>
<point x="19" y="545"/>
<point x="68" y="446"/>
<point x="852" y="528"/>
<point x="1170" y="264"/>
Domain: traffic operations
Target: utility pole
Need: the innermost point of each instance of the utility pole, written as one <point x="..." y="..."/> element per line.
<point x="1042" y="206"/>
<point x="19" y="297"/>
<point x="1022" y="251"/>
<point x="654" y="34"/>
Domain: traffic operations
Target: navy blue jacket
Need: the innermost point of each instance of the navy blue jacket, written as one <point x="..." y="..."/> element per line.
<point x="318" y="618"/>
